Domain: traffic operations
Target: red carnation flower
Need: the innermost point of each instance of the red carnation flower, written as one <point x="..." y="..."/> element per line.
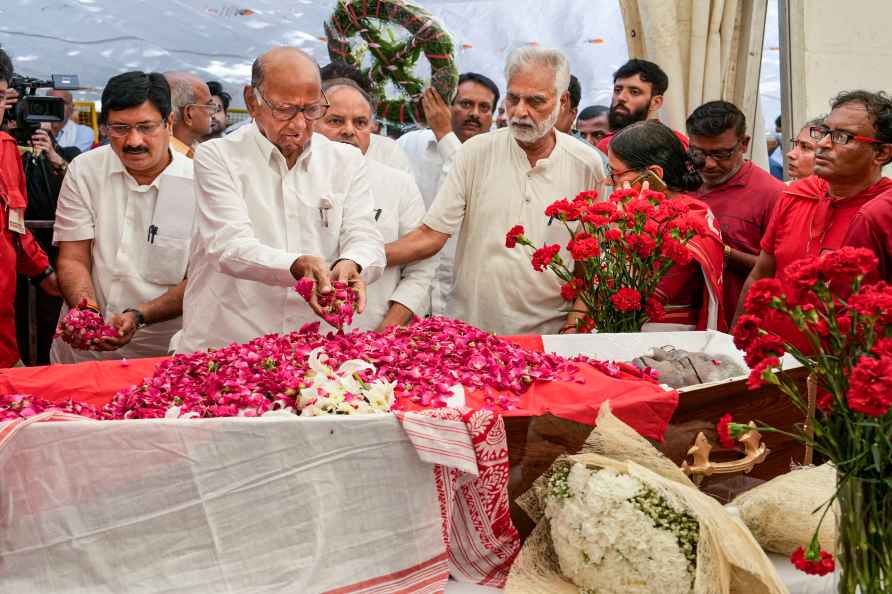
<point x="874" y="301"/>
<point x="584" y="249"/>
<point x="515" y="233"/>
<point x="761" y="295"/>
<point x="640" y="207"/>
<point x="544" y="256"/>
<point x="562" y="209"/>
<point x="570" y="290"/>
<point x="613" y="235"/>
<point x="654" y="309"/>
<point x="824" y="401"/>
<point x="646" y="246"/>
<point x="746" y="331"/>
<point x="622" y="195"/>
<point x="814" y="561"/>
<point x="675" y="250"/>
<point x="767" y="345"/>
<point x="844" y="265"/>
<point x="626" y="299"/>
<point x="757" y="375"/>
<point x="589" y="196"/>
<point x="870" y="386"/>
<point x="724" y="431"/>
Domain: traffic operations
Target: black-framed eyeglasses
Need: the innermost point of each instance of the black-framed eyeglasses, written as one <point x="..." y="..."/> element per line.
<point x="839" y="136"/>
<point x="699" y="155"/>
<point x="611" y="174"/>
<point x="285" y="113"/>
<point x="144" y="129"/>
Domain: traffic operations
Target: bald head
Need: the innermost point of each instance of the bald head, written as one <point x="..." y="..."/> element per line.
<point x="188" y="94"/>
<point x="284" y="61"/>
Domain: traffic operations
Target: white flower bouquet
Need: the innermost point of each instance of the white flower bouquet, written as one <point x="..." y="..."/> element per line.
<point x="620" y="518"/>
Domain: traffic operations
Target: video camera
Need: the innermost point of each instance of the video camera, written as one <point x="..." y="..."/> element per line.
<point x="31" y="111"/>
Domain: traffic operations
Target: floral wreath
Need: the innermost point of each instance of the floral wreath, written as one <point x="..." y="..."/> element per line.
<point x="393" y="60"/>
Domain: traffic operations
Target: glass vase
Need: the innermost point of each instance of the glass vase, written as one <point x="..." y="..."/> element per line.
<point x="864" y="541"/>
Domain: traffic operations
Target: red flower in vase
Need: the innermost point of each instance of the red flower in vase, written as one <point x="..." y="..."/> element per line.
<point x="544" y="256"/>
<point x="512" y="236"/>
<point x="870" y="386"/>
<point x="570" y="290"/>
<point x="757" y="375"/>
<point x="761" y="295"/>
<point x="844" y="265"/>
<point x="724" y="430"/>
<point x="613" y="234"/>
<point x="626" y="300"/>
<point x="675" y="250"/>
<point x="767" y="345"/>
<point x="814" y="561"/>
<point x="654" y="309"/>
<point x="562" y="209"/>
<point x="874" y="301"/>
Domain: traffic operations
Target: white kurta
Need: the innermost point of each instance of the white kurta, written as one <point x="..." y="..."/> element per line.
<point x="490" y="188"/>
<point x="99" y="200"/>
<point x="386" y="151"/>
<point x="399" y="209"/>
<point x="255" y="218"/>
<point x="431" y="161"/>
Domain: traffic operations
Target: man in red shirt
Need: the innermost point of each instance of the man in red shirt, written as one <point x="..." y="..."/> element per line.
<point x="813" y="215"/>
<point x="638" y="89"/>
<point x="19" y="253"/>
<point x="740" y="194"/>
<point x="872" y="228"/>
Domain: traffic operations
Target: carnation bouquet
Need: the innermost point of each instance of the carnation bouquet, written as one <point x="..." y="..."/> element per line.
<point x="622" y="248"/>
<point x="845" y="338"/>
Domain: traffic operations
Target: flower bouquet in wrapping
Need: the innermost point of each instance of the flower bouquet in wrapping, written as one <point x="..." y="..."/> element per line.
<point x="845" y="339"/>
<point x="620" y="518"/>
<point x="621" y="250"/>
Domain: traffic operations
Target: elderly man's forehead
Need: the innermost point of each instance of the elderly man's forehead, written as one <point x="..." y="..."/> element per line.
<point x="852" y="117"/>
<point x="344" y="96"/>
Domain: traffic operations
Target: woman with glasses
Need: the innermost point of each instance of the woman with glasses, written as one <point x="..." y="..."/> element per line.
<point x="691" y="293"/>
<point x="801" y="156"/>
<point x="813" y="215"/>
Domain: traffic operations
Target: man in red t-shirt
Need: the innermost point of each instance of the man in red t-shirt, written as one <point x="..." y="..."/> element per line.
<point x="638" y="89"/>
<point x="740" y="194"/>
<point x="19" y="252"/>
<point x="813" y="215"/>
<point x="872" y="229"/>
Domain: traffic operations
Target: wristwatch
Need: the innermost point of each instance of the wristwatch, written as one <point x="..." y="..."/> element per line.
<point x="140" y="319"/>
<point x="36" y="280"/>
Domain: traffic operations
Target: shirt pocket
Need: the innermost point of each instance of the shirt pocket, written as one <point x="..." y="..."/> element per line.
<point x="164" y="261"/>
<point x="320" y="222"/>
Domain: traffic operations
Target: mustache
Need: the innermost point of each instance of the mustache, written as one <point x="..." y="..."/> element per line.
<point x="473" y="120"/>
<point x="136" y="150"/>
<point x="522" y="122"/>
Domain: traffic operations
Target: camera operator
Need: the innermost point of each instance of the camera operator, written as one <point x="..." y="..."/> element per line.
<point x="19" y="252"/>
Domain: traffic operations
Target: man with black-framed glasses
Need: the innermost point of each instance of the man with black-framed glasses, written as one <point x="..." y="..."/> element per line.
<point x="124" y="222"/>
<point x="814" y="215"/>
<point x="193" y="111"/>
<point x="276" y="204"/>
<point x="739" y="193"/>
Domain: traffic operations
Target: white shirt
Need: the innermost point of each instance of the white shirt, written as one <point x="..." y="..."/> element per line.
<point x="385" y="150"/>
<point x="255" y="218"/>
<point x="491" y="188"/>
<point x="430" y="162"/>
<point x="73" y="134"/>
<point x="99" y="200"/>
<point x="399" y="210"/>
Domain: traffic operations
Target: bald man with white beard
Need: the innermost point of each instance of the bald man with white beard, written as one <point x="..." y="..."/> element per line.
<point x="403" y="292"/>
<point x="501" y="179"/>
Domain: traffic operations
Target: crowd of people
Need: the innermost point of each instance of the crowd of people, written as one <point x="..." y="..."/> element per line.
<point x="186" y="235"/>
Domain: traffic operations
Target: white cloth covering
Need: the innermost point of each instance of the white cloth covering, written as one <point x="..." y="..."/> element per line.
<point x="492" y="187"/>
<point x="99" y="200"/>
<point x="430" y="161"/>
<point x="386" y="151"/>
<point x="255" y="218"/>
<point x="398" y="210"/>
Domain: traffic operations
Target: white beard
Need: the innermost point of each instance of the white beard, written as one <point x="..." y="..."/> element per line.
<point x="534" y="132"/>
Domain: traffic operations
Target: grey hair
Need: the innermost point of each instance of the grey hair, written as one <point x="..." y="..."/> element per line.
<point x="333" y="84"/>
<point x="524" y="58"/>
<point x="182" y="93"/>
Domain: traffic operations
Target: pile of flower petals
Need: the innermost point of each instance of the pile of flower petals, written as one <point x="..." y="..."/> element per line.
<point x="21" y="406"/>
<point x="425" y="360"/>
<point x="82" y="328"/>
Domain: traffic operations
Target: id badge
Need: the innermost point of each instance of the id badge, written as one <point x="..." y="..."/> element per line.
<point x="16" y="220"/>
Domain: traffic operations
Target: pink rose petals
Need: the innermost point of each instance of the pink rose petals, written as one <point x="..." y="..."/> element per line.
<point x="338" y="305"/>
<point x="82" y="328"/>
<point x="423" y="360"/>
<point x="21" y="406"/>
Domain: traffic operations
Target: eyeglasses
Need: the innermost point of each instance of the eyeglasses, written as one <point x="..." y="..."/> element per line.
<point x="839" y="136"/>
<point x="143" y="128"/>
<point x="285" y="113"/>
<point x="699" y="155"/>
<point x="802" y="145"/>
<point x="211" y="107"/>
<point x="612" y="174"/>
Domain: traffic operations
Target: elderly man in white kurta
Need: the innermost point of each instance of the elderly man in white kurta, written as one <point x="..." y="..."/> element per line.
<point x="276" y="203"/>
<point x="402" y="292"/>
<point x="124" y="222"/>
<point x="502" y="179"/>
